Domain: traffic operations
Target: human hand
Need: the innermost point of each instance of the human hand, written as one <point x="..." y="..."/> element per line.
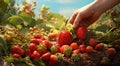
<point x="89" y="14"/>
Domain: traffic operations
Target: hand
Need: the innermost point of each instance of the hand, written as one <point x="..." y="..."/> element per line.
<point x="89" y="14"/>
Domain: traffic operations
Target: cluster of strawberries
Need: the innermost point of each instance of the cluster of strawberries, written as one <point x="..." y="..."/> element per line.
<point x="66" y="37"/>
<point x="42" y="49"/>
<point x="39" y="48"/>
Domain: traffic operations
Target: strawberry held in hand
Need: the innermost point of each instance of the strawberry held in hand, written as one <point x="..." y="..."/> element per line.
<point x="81" y="32"/>
<point x="64" y="38"/>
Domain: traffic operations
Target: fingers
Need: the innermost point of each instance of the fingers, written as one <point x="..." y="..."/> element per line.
<point x="77" y="21"/>
<point x="72" y="18"/>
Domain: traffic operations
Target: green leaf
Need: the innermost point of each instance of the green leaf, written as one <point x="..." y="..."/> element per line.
<point x="15" y="20"/>
<point x="24" y="30"/>
<point x="103" y="28"/>
<point x="12" y="3"/>
<point x="3" y="44"/>
<point x="27" y="18"/>
<point x="7" y="1"/>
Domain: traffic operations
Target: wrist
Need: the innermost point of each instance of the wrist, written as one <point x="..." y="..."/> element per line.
<point x="104" y="5"/>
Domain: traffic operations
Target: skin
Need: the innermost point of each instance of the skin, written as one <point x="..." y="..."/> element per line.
<point x="88" y="14"/>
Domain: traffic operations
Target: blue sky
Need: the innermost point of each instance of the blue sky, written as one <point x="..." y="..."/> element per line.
<point x="64" y="7"/>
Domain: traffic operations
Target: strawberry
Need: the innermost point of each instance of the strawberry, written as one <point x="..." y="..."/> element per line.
<point x="89" y="49"/>
<point x="53" y="60"/>
<point x="28" y="52"/>
<point x="17" y="49"/>
<point x="75" y="56"/>
<point x="32" y="47"/>
<point x="35" y="41"/>
<point x="38" y="36"/>
<point x="82" y="48"/>
<point x="92" y="42"/>
<point x="52" y="36"/>
<point x="54" y="49"/>
<point x="74" y="46"/>
<point x="111" y="51"/>
<point x="47" y="43"/>
<point x="46" y="56"/>
<point x="64" y="38"/>
<point x="99" y="47"/>
<point x="42" y="48"/>
<point x="17" y="56"/>
<point x="66" y="50"/>
<point x="81" y="32"/>
<point x="76" y="51"/>
<point x="35" y="55"/>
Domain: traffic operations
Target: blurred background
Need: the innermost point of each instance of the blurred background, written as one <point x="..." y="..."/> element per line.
<point x="63" y="7"/>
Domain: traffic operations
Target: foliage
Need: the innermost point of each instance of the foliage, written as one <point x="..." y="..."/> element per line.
<point x="107" y="28"/>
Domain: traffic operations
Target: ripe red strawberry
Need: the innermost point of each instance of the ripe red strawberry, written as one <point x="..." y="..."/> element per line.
<point x="92" y="42"/>
<point x="35" y="55"/>
<point x="89" y="49"/>
<point x="66" y="49"/>
<point x="32" y="47"/>
<point x="28" y="52"/>
<point x="74" y="46"/>
<point x="81" y="32"/>
<point x="82" y="48"/>
<point x="17" y="56"/>
<point x="52" y="36"/>
<point x="46" y="56"/>
<point x="76" y="51"/>
<point x="47" y="43"/>
<point x="35" y="41"/>
<point x="53" y="60"/>
<point x="65" y="38"/>
<point x="111" y="51"/>
<point x="38" y="36"/>
<point x="99" y="47"/>
<point x="42" y="48"/>
<point x="17" y="49"/>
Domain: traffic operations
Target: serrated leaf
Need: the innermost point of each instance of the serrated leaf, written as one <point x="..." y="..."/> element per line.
<point x="15" y="20"/>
